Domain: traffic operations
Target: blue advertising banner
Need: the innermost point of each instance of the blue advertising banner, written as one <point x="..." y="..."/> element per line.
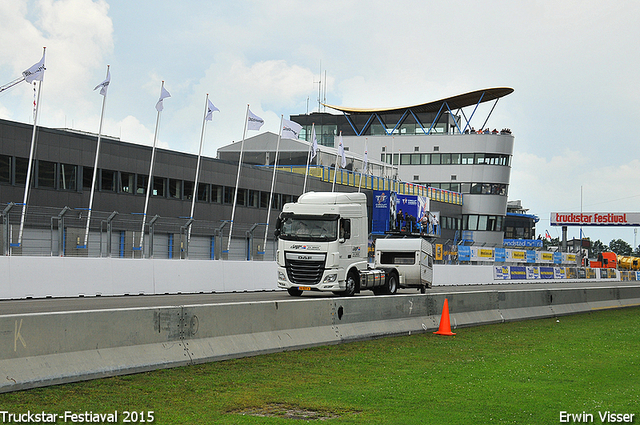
<point x="523" y="243"/>
<point x="500" y="255"/>
<point x="382" y="212"/>
<point x="531" y="256"/>
<point x="518" y="272"/>
<point x="546" y="273"/>
<point x="393" y="212"/>
<point x="464" y="253"/>
<point x="557" y="257"/>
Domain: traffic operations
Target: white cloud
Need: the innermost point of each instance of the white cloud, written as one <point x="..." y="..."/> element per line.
<point x="77" y="34"/>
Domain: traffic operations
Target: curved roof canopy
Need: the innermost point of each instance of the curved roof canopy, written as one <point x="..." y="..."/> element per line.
<point x="455" y="102"/>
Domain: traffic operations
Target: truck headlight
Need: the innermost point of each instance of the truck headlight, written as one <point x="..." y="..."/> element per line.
<point x="281" y="276"/>
<point x="330" y="278"/>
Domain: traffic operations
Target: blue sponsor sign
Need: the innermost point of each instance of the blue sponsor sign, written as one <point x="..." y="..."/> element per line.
<point x="500" y="255"/>
<point x="381" y="212"/>
<point x="557" y="257"/>
<point x="518" y="272"/>
<point x="546" y="273"/>
<point x="531" y="256"/>
<point x="464" y="253"/>
<point x="523" y="243"/>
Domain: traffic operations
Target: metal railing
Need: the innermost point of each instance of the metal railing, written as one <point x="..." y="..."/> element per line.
<point x="60" y="232"/>
<point x="350" y="178"/>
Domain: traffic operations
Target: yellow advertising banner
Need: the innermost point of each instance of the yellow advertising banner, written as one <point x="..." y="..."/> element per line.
<point x="485" y="253"/>
<point x="438" y="251"/>
<point x="519" y="255"/>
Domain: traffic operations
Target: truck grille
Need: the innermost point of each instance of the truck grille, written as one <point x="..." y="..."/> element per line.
<point x="304" y="269"/>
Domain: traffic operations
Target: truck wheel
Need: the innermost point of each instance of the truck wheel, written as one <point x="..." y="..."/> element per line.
<point x="391" y="285"/>
<point x="350" y="285"/>
<point x="294" y="292"/>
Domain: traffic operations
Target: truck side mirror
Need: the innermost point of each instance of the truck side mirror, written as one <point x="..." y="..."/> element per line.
<point x="276" y="232"/>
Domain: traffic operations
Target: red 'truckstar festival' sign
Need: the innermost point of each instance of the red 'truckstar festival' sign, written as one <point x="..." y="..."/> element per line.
<point x="595" y="219"/>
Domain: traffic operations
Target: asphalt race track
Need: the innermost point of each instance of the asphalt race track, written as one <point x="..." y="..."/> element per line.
<point x="42" y="305"/>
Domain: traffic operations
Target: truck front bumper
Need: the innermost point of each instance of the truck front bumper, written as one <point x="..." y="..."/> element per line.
<point x="328" y="282"/>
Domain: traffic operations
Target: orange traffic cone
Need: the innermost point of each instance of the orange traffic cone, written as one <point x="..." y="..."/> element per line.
<point x="445" y="326"/>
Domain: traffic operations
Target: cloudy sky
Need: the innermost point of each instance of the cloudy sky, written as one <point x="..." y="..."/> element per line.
<point x="573" y="65"/>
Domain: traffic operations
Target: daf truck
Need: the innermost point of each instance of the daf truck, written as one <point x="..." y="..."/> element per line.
<point x="323" y="246"/>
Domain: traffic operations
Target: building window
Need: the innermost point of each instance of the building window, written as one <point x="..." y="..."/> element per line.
<point x="405" y="159"/>
<point x="5" y="169"/>
<point x="454" y="177"/>
<point x="216" y="194"/>
<point x="127" y="183"/>
<point x="416" y="178"/>
<point x="108" y="180"/>
<point x="21" y="165"/>
<point x="426" y="159"/>
<point x="254" y="198"/>
<point x="264" y="199"/>
<point x="455" y="158"/>
<point x="436" y="148"/>
<point x="435" y="159"/>
<point x="87" y="177"/>
<point x="68" y="177"/>
<point x="159" y="187"/>
<point x="467" y="158"/>
<point x="242" y="197"/>
<point x="175" y="189"/>
<point x="228" y="195"/>
<point x="188" y="190"/>
<point x="47" y="174"/>
<point x="142" y="182"/>
<point x="416" y="149"/>
<point x="203" y="192"/>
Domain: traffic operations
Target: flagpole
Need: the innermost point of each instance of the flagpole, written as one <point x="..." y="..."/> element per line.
<point x="95" y="167"/>
<point x="364" y="165"/>
<point x="273" y="182"/>
<point x="195" y="184"/>
<point x="335" y="169"/>
<point x="30" y="165"/>
<point x="150" y="182"/>
<point x="235" y="194"/>
<point x="304" y="187"/>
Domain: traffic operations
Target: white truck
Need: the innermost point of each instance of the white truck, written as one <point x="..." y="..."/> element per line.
<point x="323" y="246"/>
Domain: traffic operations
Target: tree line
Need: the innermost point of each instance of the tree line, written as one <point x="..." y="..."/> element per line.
<point x="619" y="246"/>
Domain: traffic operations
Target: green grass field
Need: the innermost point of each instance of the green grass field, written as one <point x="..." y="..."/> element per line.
<point x="521" y="373"/>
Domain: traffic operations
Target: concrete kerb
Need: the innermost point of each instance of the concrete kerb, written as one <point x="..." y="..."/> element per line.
<point x="53" y="348"/>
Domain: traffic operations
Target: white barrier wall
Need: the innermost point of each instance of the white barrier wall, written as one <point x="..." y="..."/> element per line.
<point x="38" y="277"/>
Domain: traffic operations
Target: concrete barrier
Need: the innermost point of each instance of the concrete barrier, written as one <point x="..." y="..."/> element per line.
<point x="52" y="348"/>
<point x="40" y="277"/>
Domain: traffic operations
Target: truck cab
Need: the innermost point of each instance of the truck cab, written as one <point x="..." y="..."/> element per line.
<point x="322" y="243"/>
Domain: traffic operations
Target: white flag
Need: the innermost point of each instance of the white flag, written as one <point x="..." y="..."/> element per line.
<point x="314" y="143"/>
<point x="210" y="110"/>
<point x="366" y="159"/>
<point x="36" y="72"/>
<point x="104" y="84"/>
<point x="254" y="122"/>
<point x="290" y="129"/>
<point x="343" y="162"/>
<point x="163" y="95"/>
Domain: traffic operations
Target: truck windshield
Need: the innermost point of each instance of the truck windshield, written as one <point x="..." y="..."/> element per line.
<point x="308" y="229"/>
